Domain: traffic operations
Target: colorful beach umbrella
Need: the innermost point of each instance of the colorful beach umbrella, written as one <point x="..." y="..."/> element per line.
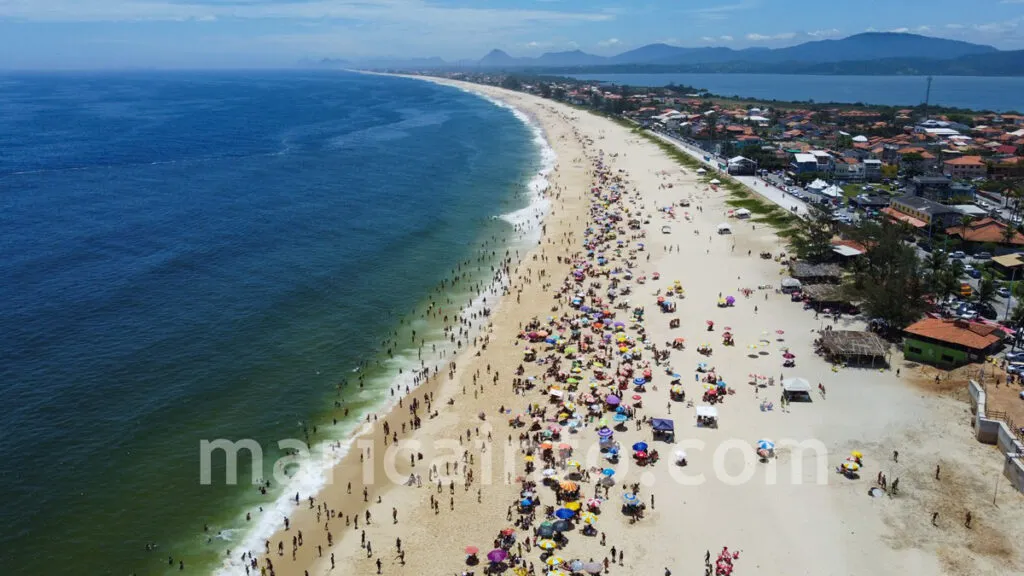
<point x="564" y="513"/>
<point x="497" y="555"/>
<point x="588" y="517"/>
<point x="765" y="445"/>
<point x="640" y="446"/>
<point x="472" y="550"/>
<point x="547" y="544"/>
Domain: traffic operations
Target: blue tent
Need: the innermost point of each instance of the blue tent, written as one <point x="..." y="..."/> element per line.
<point x="663" y="425"/>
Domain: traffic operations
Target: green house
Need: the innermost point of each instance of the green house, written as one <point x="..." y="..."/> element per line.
<point x="949" y="343"/>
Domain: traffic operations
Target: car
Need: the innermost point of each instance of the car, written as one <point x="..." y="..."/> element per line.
<point x="1015" y="356"/>
<point x="983" y="256"/>
<point x="987" y="311"/>
<point x="1014" y="368"/>
<point x="958" y="254"/>
<point x="1004" y="292"/>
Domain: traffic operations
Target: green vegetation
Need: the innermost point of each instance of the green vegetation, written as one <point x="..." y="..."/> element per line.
<point x="887" y="279"/>
<point x="812" y="238"/>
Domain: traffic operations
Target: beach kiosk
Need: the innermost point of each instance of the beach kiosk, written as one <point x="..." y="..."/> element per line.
<point x="796" y="389"/>
<point x="724" y="228"/>
<point x="707" y="416"/>
<point x="664" y="429"/>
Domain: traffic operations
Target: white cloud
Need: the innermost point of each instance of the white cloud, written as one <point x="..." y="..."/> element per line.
<point x="610" y="43"/>
<point x="899" y="30"/>
<point x="726" y="38"/>
<point x="824" y="33"/>
<point x="771" y="37"/>
<point x="720" y="12"/>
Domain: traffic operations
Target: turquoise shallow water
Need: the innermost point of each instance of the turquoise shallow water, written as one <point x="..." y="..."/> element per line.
<point x="195" y="256"/>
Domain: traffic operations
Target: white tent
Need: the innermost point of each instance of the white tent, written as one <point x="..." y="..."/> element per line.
<point x="707" y="412"/>
<point x="742" y="213"/>
<point x="796" y="385"/>
<point x="833" y="191"/>
<point x="716" y="181"/>
<point x="701" y="171"/>
<point x="790" y="283"/>
<point x="818" y="185"/>
<point x="860" y="138"/>
<point x="724" y="229"/>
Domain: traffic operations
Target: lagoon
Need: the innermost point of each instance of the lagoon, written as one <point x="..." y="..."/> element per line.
<point x="1001" y="94"/>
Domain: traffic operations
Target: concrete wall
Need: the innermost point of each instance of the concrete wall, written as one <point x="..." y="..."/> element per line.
<point x="989" y="431"/>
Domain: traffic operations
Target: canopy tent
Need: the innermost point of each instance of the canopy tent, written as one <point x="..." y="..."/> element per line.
<point x="796" y="385"/>
<point x="707" y="412"/>
<point x="791" y="283"/>
<point x="742" y="213"/>
<point x="663" y="428"/>
<point x="716" y="182"/>
<point x="724" y="229"/>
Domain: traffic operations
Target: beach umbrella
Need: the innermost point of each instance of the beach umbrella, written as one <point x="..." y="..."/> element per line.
<point x="857" y="454"/>
<point x="557" y="573"/>
<point x="620" y="418"/>
<point x="497" y="555"/>
<point x="588" y="517"/>
<point x="545" y="445"/>
<point x="593" y="568"/>
<point x="730" y="300"/>
<point x="630" y="499"/>
<point x="574" y="506"/>
<point x="608" y="472"/>
<point x="765" y="445"/>
<point x="709" y="322"/>
<point x="605" y="433"/>
<point x="546" y="531"/>
<point x="573" y="463"/>
<point x="564" y="513"/>
<point x="788" y="355"/>
<point x="569" y="486"/>
<point x="528" y="458"/>
<point x="507" y="532"/>
<point x="612" y="400"/>
<point x="851" y="466"/>
<point x="471" y="550"/>
<point x="637" y="397"/>
<point x="563" y="526"/>
<point x="780" y="332"/>
<point x="640" y="446"/>
<point x="525" y="502"/>
<point x="547" y="544"/>
<point x="564" y="446"/>
<point x="549" y="472"/>
<point x="554" y="560"/>
<point x="594" y="502"/>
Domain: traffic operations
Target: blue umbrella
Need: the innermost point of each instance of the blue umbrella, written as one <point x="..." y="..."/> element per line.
<point x="562" y="526"/>
<point x="630" y="499"/>
<point x="765" y="445"/>
<point x="639" y="380"/>
<point x="608" y="472"/>
<point x="640" y="446"/>
<point x="613" y="450"/>
<point x="526" y="502"/>
<point x="620" y="418"/>
<point x="605" y="432"/>
<point x="564" y="513"/>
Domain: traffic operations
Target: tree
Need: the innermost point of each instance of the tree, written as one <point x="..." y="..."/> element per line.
<point x="813" y="239"/>
<point x="941" y="275"/>
<point x="986" y="289"/>
<point x="888" y="281"/>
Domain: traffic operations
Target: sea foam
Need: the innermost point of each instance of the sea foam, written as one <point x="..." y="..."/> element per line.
<point x="314" y="469"/>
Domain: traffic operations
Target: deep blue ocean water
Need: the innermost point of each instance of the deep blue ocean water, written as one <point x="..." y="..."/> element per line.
<point x="1000" y="94"/>
<point x="192" y="256"/>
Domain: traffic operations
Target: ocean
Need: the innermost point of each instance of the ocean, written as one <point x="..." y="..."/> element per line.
<point x="201" y="256"/>
<point x="1000" y="94"/>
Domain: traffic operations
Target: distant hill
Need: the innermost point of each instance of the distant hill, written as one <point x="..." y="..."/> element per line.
<point x="872" y="53"/>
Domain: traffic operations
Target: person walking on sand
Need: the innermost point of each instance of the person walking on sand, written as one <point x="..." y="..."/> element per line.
<point x="935" y="518"/>
<point x="937" y="470"/>
<point x="378" y="566"/>
<point x="896" y="456"/>
<point x="967" y="519"/>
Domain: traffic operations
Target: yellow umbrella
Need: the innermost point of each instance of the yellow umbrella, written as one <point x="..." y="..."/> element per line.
<point x="856" y="454"/>
<point x="574" y="463"/>
<point x="554" y="561"/>
<point x="574" y="506"/>
<point x="588" y="517"/>
<point x="851" y="466"/>
<point x="547" y="544"/>
<point x="528" y="458"/>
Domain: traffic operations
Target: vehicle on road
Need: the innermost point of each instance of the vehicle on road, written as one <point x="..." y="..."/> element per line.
<point x="958" y="254"/>
<point x="1004" y="292"/>
<point x="983" y="256"/>
<point x="1015" y="356"/>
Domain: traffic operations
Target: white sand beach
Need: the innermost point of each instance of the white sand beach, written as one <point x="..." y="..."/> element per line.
<point x="812" y="521"/>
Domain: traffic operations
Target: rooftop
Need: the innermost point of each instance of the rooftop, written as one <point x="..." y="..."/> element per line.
<point x="922" y="204"/>
<point x="967" y="334"/>
<point x="852" y="343"/>
<point x="985" y="230"/>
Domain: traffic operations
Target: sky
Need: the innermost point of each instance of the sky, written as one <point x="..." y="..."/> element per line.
<point x="76" y="34"/>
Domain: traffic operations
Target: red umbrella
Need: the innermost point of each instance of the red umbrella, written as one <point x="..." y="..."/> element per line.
<point x="508" y="532"/>
<point x="728" y="328"/>
<point x="472" y="550"/>
<point x="710" y="322"/>
<point x="788" y="355"/>
<point x="637" y="397"/>
<point x="780" y="331"/>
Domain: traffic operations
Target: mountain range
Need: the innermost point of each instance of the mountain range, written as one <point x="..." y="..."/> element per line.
<point x="867" y="53"/>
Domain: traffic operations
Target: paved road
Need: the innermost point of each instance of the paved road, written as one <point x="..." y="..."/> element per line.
<point x="753" y="183"/>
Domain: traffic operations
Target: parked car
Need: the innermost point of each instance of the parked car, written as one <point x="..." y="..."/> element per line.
<point x="1015" y="356"/>
<point x="958" y="254"/>
<point x="1014" y="368"/>
<point x="987" y="311"/>
<point x="983" y="256"/>
<point x="1004" y="292"/>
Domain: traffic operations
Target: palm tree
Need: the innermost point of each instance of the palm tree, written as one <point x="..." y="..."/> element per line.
<point x="965" y="221"/>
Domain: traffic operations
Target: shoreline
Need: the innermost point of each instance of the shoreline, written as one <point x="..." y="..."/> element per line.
<point x="868" y="411"/>
<point x="527" y="232"/>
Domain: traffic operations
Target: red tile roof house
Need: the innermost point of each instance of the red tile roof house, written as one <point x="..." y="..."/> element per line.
<point x="986" y="231"/>
<point x="950" y="342"/>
